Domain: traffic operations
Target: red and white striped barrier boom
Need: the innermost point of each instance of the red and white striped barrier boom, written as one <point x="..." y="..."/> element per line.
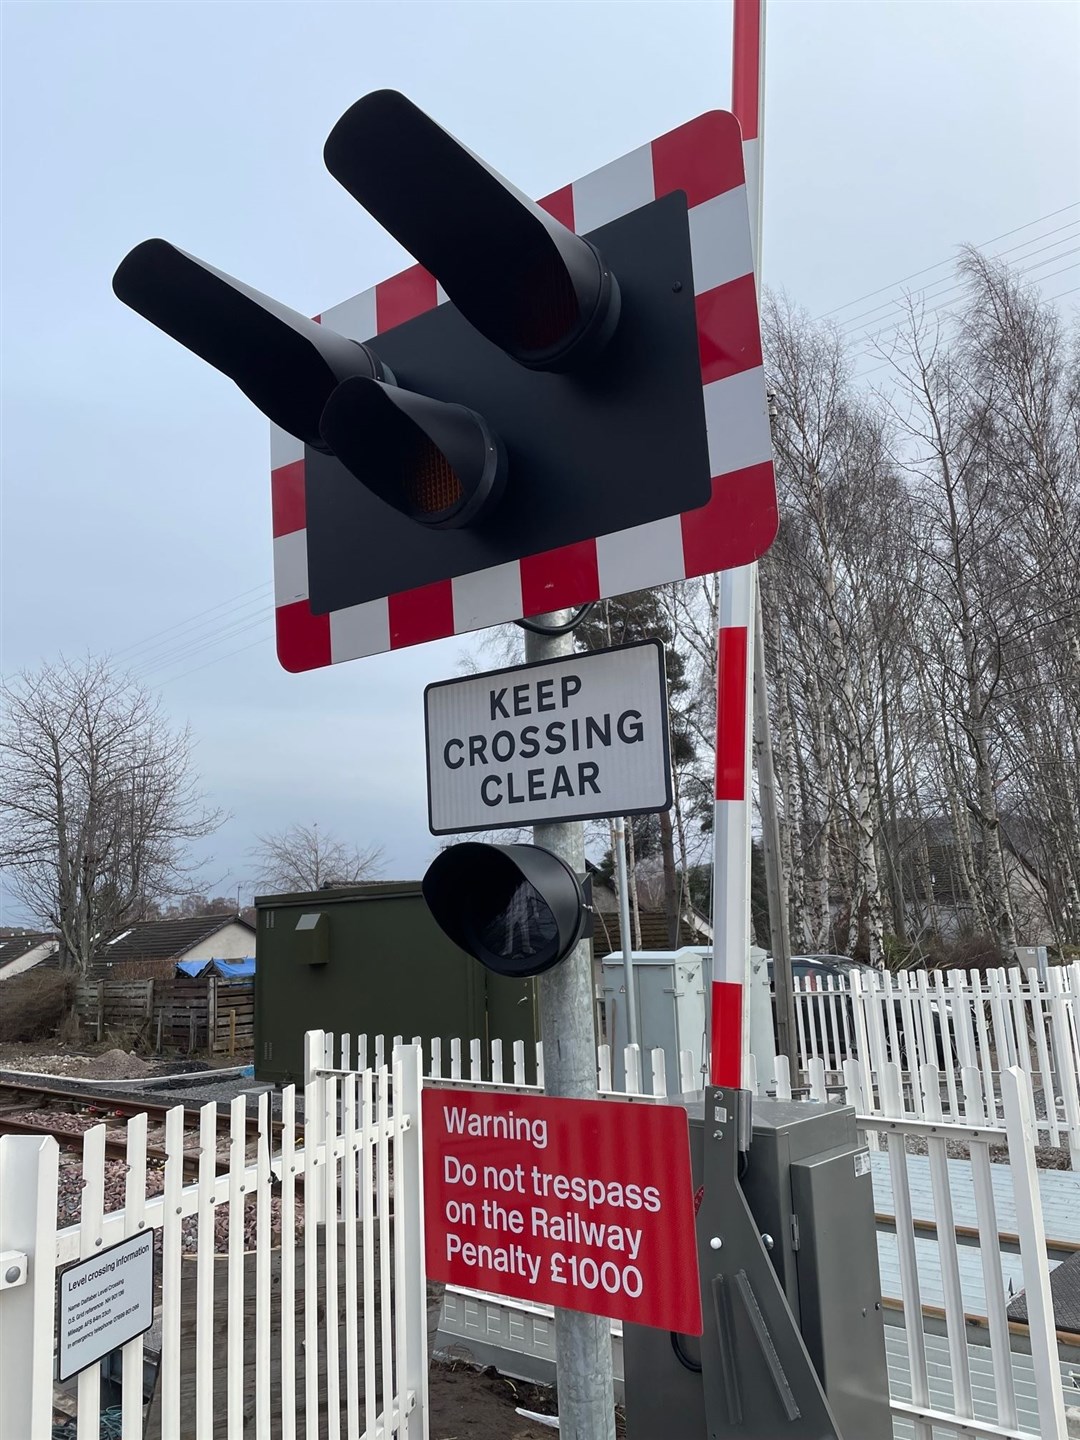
<point x="730" y="1032"/>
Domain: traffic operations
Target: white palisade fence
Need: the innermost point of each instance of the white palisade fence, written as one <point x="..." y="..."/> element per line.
<point x="958" y="1366"/>
<point x="476" y="1062"/>
<point x="326" y="1335"/>
<point x="943" y="1384"/>
<point x="954" y="1020"/>
<point x="312" y="1323"/>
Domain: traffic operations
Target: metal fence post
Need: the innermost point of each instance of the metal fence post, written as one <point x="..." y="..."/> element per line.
<point x="1016" y="1095"/>
<point x="408" y="1195"/>
<point x="567" y="1010"/>
<point x="1064" y="1072"/>
<point x="314" y="1122"/>
<point x="28" y="1179"/>
<point x="625" y="930"/>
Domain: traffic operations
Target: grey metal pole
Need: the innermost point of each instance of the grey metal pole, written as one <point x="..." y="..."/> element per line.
<point x="625" y="931"/>
<point x="780" y="942"/>
<point x="568" y="1030"/>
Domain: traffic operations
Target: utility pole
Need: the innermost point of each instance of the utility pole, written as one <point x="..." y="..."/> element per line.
<point x="568" y="1030"/>
<point x="779" y="941"/>
<point x="621" y="869"/>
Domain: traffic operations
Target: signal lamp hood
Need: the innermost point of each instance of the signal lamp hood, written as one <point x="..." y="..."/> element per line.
<point x="528" y="284"/>
<point x="518" y="909"/>
<point x="285" y="363"/>
<point x="438" y="464"/>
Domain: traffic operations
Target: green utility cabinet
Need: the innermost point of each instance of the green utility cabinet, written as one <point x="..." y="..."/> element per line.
<point x="369" y="959"/>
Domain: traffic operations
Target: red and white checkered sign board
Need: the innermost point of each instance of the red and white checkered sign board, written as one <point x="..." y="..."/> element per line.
<point x="704" y="158"/>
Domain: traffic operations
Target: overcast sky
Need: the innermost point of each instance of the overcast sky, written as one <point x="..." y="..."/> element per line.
<point x="135" y="479"/>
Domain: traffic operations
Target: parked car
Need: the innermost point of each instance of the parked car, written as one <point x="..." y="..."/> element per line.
<point x="820" y="972"/>
<point x="819" y="969"/>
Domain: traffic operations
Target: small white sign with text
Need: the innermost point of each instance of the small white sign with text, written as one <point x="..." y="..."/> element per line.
<point x="582" y="737"/>
<point x="103" y="1302"/>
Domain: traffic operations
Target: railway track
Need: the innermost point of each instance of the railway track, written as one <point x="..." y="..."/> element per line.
<point x="44" y="1096"/>
<point x="115" y="1146"/>
<point x="21" y="1099"/>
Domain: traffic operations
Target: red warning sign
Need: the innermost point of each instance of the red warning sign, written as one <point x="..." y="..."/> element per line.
<point x="584" y="1204"/>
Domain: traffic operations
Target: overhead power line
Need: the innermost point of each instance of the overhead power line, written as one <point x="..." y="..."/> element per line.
<point x="949" y="284"/>
<point x="196" y="647"/>
<point x="150" y="641"/>
<point x="949" y="260"/>
<point x="949" y="305"/>
<point x="952" y="308"/>
<point x="170" y="679"/>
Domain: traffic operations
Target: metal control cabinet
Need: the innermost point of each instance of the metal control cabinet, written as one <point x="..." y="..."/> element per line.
<point x="807" y="1188"/>
<point x="672" y="989"/>
<point x="839" y="1287"/>
<point x="369" y="959"/>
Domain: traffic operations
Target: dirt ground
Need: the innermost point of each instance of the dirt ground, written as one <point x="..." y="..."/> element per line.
<point x="99" y="1062"/>
<point x="467" y="1404"/>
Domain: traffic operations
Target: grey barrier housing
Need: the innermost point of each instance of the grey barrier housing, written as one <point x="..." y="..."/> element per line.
<point x="793" y="1341"/>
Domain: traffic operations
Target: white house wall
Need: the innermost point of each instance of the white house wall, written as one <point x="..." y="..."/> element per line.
<point x="231" y="942"/>
<point x="29" y="960"/>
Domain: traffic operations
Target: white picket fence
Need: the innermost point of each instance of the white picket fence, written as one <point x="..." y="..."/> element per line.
<point x="488" y="1063"/>
<point x="935" y="1394"/>
<point x="953" y="1020"/>
<point x="362" y="1259"/>
<point x="954" y="1370"/>
<point x="959" y="1371"/>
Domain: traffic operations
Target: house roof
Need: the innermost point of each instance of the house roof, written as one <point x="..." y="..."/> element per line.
<point x="164" y="939"/>
<point x="14" y="947"/>
<point x="607" y="935"/>
<point x="1064" y="1292"/>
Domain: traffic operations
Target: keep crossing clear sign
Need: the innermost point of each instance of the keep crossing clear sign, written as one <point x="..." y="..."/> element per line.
<point x="577" y="738"/>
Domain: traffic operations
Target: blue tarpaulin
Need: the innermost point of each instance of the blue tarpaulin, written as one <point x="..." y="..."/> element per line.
<point x="235" y="969"/>
<point x="194" y="968"/>
<point x="227" y="969"/>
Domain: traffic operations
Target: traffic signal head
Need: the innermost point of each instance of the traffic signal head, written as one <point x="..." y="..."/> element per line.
<point x="563" y="401"/>
<point x="518" y="909"/>
<point x="437" y="464"/>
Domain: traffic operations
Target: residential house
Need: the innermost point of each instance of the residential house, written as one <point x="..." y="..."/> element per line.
<point x="164" y="942"/>
<point x="694" y="929"/>
<point x="23" y="950"/>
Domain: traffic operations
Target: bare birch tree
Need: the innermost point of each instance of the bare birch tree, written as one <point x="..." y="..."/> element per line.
<point x="948" y="422"/>
<point x="923" y="628"/>
<point x="830" y="586"/>
<point x="1017" y="355"/>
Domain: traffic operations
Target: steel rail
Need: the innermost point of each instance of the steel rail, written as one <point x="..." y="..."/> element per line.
<point x="115" y="1147"/>
<point x="116" y="1104"/>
